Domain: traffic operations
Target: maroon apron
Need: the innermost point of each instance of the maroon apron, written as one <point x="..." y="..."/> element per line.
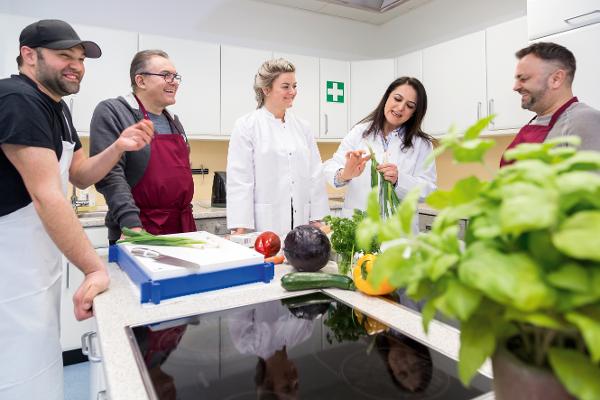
<point x="536" y="133"/>
<point x="164" y="194"/>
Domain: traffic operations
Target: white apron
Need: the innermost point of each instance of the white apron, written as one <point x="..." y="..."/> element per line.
<point x="30" y="287"/>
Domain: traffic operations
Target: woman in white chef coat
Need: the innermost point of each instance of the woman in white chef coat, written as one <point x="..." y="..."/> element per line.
<point x="393" y="131"/>
<point x="274" y="173"/>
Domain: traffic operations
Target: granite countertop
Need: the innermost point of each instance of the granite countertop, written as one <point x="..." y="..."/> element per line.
<point x="119" y="307"/>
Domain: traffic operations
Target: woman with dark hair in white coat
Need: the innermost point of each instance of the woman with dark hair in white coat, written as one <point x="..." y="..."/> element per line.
<point x="393" y="131"/>
<point x="274" y="171"/>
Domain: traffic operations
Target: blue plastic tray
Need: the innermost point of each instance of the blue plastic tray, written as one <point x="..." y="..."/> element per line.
<point x="156" y="290"/>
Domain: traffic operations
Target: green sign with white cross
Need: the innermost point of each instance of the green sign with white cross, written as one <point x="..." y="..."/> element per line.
<point x="335" y="92"/>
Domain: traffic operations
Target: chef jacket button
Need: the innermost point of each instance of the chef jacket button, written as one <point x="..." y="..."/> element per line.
<point x="290" y="154"/>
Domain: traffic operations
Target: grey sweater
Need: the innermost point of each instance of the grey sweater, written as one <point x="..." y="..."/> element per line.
<point x="110" y="118"/>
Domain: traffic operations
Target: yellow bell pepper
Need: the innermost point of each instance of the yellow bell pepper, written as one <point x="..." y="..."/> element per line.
<point x="363" y="267"/>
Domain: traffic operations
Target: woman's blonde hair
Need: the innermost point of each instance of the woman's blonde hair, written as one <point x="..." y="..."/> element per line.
<point x="267" y="73"/>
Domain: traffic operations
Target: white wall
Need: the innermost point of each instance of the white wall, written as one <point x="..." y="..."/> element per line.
<point x="440" y="20"/>
<point x="243" y="23"/>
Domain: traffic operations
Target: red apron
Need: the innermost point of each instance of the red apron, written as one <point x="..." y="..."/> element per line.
<point x="164" y="194"/>
<point x="536" y="133"/>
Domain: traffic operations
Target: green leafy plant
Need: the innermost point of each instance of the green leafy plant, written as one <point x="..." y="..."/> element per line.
<point x="528" y="273"/>
<point x="343" y="324"/>
<point x="343" y="238"/>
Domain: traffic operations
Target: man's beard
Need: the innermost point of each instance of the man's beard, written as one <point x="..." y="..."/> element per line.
<point x="53" y="80"/>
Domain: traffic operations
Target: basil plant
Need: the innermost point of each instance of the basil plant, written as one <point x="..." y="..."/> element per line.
<point x="528" y="271"/>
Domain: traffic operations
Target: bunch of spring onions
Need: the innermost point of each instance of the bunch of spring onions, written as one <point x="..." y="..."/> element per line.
<point x="388" y="199"/>
<point x="144" y="237"/>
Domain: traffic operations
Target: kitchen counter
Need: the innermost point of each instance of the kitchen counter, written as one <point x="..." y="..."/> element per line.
<point x="119" y="307"/>
<point x="201" y="210"/>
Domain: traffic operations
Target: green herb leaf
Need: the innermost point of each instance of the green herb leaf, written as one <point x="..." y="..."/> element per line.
<point x="570" y="276"/>
<point x="477" y="343"/>
<point x="578" y="236"/>
<point x="543" y="320"/>
<point x="527" y="207"/>
<point x="589" y="326"/>
<point x="576" y="372"/>
<point x="458" y="301"/>
<point x="512" y="279"/>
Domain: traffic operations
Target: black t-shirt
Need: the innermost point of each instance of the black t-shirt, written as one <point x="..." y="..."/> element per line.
<point x="28" y="117"/>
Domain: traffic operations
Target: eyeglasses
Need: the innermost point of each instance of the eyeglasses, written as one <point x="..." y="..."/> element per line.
<point x="169" y="77"/>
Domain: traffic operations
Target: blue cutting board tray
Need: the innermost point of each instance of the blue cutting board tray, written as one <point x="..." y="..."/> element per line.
<point x="154" y="291"/>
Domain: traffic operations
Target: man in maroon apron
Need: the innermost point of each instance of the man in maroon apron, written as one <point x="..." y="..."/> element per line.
<point x="544" y="77"/>
<point x="152" y="190"/>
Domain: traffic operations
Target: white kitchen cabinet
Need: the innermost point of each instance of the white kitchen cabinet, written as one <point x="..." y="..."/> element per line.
<point x="454" y="77"/>
<point x="71" y="329"/>
<point x="410" y="64"/>
<point x="198" y="96"/>
<point x="547" y="17"/>
<point x="105" y="77"/>
<point x="369" y="80"/>
<point x="238" y="68"/>
<point x="502" y="42"/>
<point x="10" y="29"/>
<point x="583" y="42"/>
<point x="334" y="91"/>
<point x="306" y="104"/>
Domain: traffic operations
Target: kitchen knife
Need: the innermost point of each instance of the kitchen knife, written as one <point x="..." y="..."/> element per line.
<point x="163" y="258"/>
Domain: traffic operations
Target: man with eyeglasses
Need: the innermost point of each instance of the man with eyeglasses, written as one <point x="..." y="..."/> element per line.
<point x="39" y="152"/>
<point x="151" y="189"/>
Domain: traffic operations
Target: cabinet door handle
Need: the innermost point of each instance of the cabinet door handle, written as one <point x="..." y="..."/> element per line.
<point x="491" y="109"/>
<point x="589" y="16"/>
<point x="67" y="278"/>
<point x="478" y="110"/>
<point x="87" y="347"/>
<point x="326" y="124"/>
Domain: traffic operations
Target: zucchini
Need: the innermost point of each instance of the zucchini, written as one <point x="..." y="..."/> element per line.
<point x="315" y="280"/>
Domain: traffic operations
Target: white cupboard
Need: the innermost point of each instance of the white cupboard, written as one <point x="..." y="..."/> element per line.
<point x="238" y="68"/>
<point x="334" y="90"/>
<point x="502" y="42"/>
<point x="306" y="104"/>
<point x="369" y="79"/>
<point x="454" y="77"/>
<point x="106" y="77"/>
<point x="583" y="42"/>
<point x="199" y="94"/>
<point x="71" y="329"/>
<point x="547" y="17"/>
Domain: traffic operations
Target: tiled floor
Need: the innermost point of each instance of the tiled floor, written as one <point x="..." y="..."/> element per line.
<point x="77" y="381"/>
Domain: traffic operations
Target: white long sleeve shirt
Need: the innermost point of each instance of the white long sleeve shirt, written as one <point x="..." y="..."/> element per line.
<point x="273" y="170"/>
<point x="411" y="165"/>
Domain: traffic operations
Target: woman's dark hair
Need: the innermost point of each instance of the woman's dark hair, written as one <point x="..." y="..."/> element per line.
<point x="413" y="125"/>
<point x="383" y="344"/>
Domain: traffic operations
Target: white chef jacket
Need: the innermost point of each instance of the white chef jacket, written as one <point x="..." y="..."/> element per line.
<point x="267" y="328"/>
<point x="411" y="165"/>
<point x="273" y="169"/>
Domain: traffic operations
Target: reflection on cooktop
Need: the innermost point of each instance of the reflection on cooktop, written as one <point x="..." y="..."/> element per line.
<point x="306" y="347"/>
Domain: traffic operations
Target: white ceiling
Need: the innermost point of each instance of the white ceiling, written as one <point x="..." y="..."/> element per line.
<point x="349" y="11"/>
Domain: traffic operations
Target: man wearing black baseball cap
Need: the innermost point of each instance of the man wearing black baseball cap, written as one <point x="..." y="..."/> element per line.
<point x="39" y="152"/>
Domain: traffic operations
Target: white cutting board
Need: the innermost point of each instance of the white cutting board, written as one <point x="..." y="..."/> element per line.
<point x="218" y="254"/>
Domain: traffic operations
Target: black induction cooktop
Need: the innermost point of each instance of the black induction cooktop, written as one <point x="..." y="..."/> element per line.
<point x="306" y="347"/>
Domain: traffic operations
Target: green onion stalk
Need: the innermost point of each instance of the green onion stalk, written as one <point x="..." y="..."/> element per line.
<point x="388" y="199"/>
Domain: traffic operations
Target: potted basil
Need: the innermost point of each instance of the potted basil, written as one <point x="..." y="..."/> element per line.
<point x="525" y="283"/>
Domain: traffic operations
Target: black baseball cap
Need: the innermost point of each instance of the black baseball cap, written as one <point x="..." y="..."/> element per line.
<point x="57" y="35"/>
